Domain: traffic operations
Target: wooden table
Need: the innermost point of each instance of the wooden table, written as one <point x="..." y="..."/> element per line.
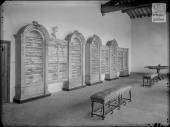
<point x="158" y="68"/>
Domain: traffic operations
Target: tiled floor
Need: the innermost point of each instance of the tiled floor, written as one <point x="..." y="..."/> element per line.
<point x="149" y="105"/>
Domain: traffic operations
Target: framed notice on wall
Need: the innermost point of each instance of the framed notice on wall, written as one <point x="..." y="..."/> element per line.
<point x="159" y="12"/>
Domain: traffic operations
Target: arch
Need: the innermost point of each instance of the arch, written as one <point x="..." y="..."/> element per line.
<point x="112" y="43"/>
<point x="92" y="59"/>
<point x="76" y="42"/>
<point x="31" y="55"/>
<point x="74" y="35"/>
<point x="34" y="26"/>
<point x="112" y="60"/>
<point x="94" y="39"/>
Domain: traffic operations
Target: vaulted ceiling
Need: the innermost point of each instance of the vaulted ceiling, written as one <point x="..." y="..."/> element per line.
<point x="134" y="8"/>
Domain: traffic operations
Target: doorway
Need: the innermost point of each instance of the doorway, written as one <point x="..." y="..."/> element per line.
<point x="5" y="71"/>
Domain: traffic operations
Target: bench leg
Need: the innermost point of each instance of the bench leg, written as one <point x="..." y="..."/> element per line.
<point x="119" y="103"/>
<point x="150" y="82"/>
<point x="92" y="104"/>
<point x="121" y="97"/>
<point x="103" y="112"/>
<point x="121" y="100"/>
<point x="109" y="107"/>
<point x="130" y="96"/>
<point x="153" y="81"/>
<point x="146" y="81"/>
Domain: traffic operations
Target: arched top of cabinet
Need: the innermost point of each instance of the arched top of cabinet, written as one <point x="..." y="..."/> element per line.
<point x="112" y="43"/>
<point x="94" y="40"/>
<point x="75" y="35"/>
<point x="34" y="26"/>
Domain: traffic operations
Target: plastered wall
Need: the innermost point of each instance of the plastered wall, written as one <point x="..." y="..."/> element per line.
<point x="67" y="16"/>
<point x="150" y="44"/>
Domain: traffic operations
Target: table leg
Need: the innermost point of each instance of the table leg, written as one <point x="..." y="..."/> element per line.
<point x="158" y="72"/>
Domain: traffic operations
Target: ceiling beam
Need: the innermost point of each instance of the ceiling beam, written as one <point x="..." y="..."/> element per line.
<point x="116" y="5"/>
<point x="141" y="13"/>
<point x="134" y="14"/>
<point x="110" y="7"/>
<point x="130" y="14"/>
<point x="139" y="6"/>
<point x="144" y="12"/>
<point x="138" y="12"/>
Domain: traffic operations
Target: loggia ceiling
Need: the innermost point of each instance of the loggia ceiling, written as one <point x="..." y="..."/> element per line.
<point x="134" y="8"/>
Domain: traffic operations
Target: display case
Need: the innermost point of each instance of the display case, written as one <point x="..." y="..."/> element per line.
<point x="31" y="62"/>
<point x="113" y="65"/>
<point x="76" y="61"/>
<point x="57" y="64"/>
<point x="92" y="71"/>
<point x="104" y="61"/>
<point x="120" y="59"/>
<point x="123" y="61"/>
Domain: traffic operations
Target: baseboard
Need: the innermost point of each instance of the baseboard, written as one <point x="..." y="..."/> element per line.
<point x="30" y="99"/>
<point x="90" y="84"/>
<point x="137" y="73"/>
<point x="67" y="89"/>
<point x="111" y="79"/>
<point x="124" y="75"/>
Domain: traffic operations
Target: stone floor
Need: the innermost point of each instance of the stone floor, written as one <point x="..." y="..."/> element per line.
<point x="72" y="108"/>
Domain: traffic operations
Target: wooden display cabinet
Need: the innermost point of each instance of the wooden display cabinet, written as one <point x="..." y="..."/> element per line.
<point x="92" y="71"/>
<point x="104" y="61"/>
<point x="30" y="64"/>
<point x="113" y="65"/>
<point x="57" y="64"/>
<point x="76" y="60"/>
<point x="123" y="61"/>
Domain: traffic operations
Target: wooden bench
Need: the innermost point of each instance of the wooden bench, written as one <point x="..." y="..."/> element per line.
<point x="149" y="79"/>
<point x="109" y="99"/>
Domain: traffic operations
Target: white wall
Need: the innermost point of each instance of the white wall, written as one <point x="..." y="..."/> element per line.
<point x="68" y="16"/>
<point x="149" y="44"/>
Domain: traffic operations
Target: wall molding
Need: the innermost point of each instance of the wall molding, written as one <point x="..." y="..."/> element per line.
<point x="55" y="2"/>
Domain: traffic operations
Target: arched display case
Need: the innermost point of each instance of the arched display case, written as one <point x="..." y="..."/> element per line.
<point x="93" y="72"/>
<point x="123" y="61"/>
<point x="57" y="73"/>
<point x="76" y="60"/>
<point x="113" y="65"/>
<point x="104" y="61"/>
<point x="30" y="64"/>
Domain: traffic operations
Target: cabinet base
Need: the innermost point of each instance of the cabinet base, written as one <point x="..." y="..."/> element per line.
<point x="90" y="84"/>
<point x="112" y="79"/>
<point x="30" y="99"/>
<point x="123" y="75"/>
<point x="70" y="89"/>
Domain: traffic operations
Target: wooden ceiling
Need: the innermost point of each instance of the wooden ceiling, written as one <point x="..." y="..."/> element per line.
<point x="134" y="8"/>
